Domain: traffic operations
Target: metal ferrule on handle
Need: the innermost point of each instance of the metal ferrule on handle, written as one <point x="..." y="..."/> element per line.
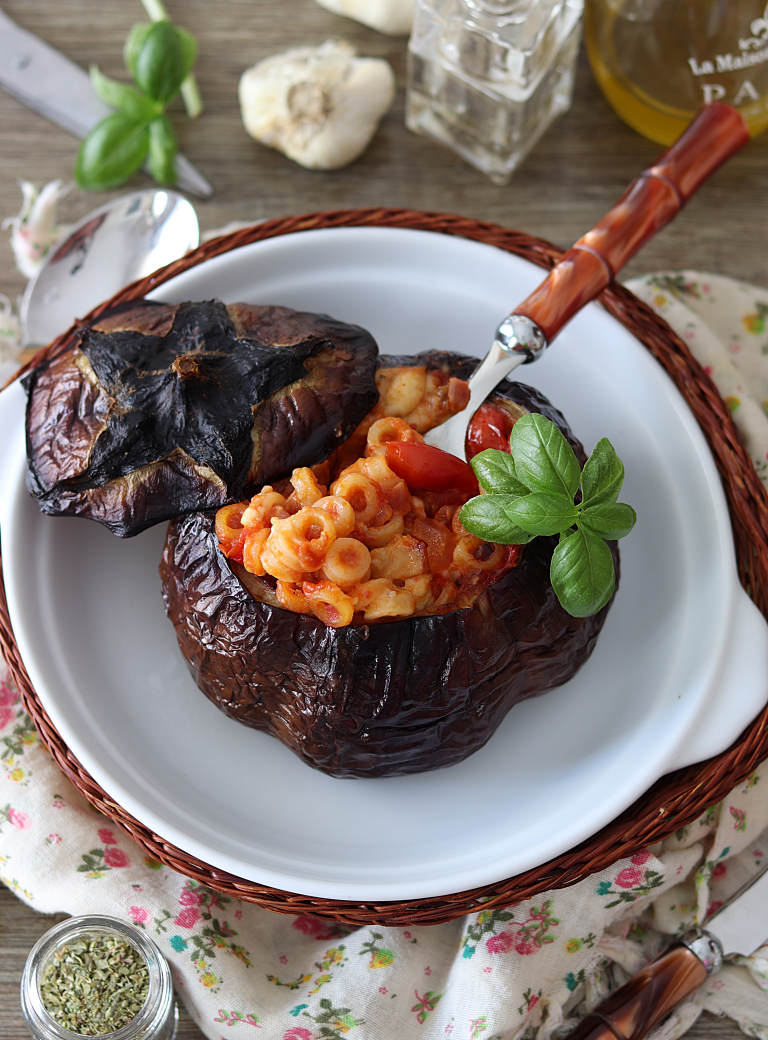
<point x="706" y="947"/>
<point x="519" y="335"/>
<point x="518" y="341"/>
<point x="640" y="1005"/>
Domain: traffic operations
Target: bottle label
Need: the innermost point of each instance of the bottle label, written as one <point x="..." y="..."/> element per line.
<point x="753" y="51"/>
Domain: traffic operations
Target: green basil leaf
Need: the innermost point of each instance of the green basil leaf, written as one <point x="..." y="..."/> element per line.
<point x="495" y="471"/>
<point x="133" y="44"/>
<point x="162" y="151"/>
<point x="542" y="513"/>
<point x="188" y="49"/>
<point x="487" y="517"/>
<point x="112" y="152"/>
<point x="602" y="476"/>
<point x="582" y="573"/>
<point x="120" y="95"/>
<point x="544" y="460"/>
<point x="609" y="519"/>
<point x="160" y="64"/>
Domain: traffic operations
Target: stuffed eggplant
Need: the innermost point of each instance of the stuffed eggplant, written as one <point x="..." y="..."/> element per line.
<point x="157" y="410"/>
<point x="401" y="645"/>
<point x="370" y="690"/>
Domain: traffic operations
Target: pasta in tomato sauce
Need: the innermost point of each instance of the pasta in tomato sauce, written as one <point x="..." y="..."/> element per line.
<point x="349" y="541"/>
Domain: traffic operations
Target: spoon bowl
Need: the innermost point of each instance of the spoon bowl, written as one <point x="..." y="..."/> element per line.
<point x="125" y="239"/>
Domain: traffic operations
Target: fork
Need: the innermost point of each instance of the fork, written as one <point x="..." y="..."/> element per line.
<point x="650" y="202"/>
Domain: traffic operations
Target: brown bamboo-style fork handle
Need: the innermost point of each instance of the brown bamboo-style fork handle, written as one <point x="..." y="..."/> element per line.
<point x="640" y="1005"/>
<point x="648" y="204"/>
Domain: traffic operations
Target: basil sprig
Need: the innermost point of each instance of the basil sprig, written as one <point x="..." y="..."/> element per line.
<point x="531" y="492"/>
<point x="159" y="56"/>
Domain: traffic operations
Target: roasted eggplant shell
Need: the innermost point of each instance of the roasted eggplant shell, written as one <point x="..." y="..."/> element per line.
<point x="157" y="410"/>
<point x="384" y="699"/>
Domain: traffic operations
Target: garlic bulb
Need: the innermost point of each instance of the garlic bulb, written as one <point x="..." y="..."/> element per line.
<point x="320" y="106"/>
<point x="394" y="17"/>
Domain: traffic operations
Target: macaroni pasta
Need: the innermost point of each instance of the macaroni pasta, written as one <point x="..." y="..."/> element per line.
<point x="348" y="541"/>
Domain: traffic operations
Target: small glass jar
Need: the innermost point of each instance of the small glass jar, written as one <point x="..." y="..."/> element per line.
<point x="158" y="1017"/>
<point x="487" y="77"/>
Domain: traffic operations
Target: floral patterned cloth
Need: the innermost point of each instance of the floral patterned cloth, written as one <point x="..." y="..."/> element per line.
<point x="532" y="970"/>
<point x="725" y="324"/>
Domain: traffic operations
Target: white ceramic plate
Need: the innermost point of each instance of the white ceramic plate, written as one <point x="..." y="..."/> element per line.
<point x="680" y="668"/>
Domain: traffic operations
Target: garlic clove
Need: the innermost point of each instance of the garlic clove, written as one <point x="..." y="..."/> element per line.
<point x="394" y="17"/>
<point x="10" y="334"/>
<point x="34" y="231"/>
<point x="320" y="106"/>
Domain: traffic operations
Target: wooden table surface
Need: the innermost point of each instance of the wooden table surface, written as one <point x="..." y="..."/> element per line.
<point x="571" y="178"/>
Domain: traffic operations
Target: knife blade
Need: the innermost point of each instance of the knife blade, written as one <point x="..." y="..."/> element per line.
<point x="740" y="926"/>
<point x="44" y="80"/>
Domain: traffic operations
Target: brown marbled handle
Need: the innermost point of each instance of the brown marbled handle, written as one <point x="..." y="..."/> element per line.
<point x="635" y="1009"/>
<point x="648" y="204"/>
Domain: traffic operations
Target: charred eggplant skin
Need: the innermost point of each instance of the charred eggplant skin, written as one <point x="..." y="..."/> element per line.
<point x="380" y="700"/>
<point x="157" y="410"/>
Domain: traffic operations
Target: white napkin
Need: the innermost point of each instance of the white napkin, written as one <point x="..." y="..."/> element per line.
<point x="532" y="970"/>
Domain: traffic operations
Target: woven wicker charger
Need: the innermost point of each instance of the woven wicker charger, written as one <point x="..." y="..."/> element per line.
<point x="673" y="801"/>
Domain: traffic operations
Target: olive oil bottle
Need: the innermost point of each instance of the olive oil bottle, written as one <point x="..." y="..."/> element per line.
<point x="658" y="61"/>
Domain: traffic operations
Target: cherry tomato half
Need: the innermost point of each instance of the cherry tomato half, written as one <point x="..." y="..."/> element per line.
<point x="423" y="466"/>
<point x="489" y="427"/>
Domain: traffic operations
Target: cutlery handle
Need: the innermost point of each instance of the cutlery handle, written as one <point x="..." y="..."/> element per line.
<point x="648" y="204"/>
<point x="639" y="1006"/>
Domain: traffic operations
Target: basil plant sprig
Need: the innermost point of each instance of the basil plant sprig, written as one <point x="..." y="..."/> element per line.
<point x="531" y="492"/>
<point x="159" y="56"/>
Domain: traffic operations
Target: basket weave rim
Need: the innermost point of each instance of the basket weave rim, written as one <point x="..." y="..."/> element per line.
<point x="672" y="802"/>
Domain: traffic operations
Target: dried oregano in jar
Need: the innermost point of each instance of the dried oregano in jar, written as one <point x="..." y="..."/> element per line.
<point x="95" y="984"/>
<point x="98" y="976"/>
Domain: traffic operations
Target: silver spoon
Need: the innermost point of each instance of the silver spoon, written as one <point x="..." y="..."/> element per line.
<point x="648" y="204"/>
<point x="125" y="239"/>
